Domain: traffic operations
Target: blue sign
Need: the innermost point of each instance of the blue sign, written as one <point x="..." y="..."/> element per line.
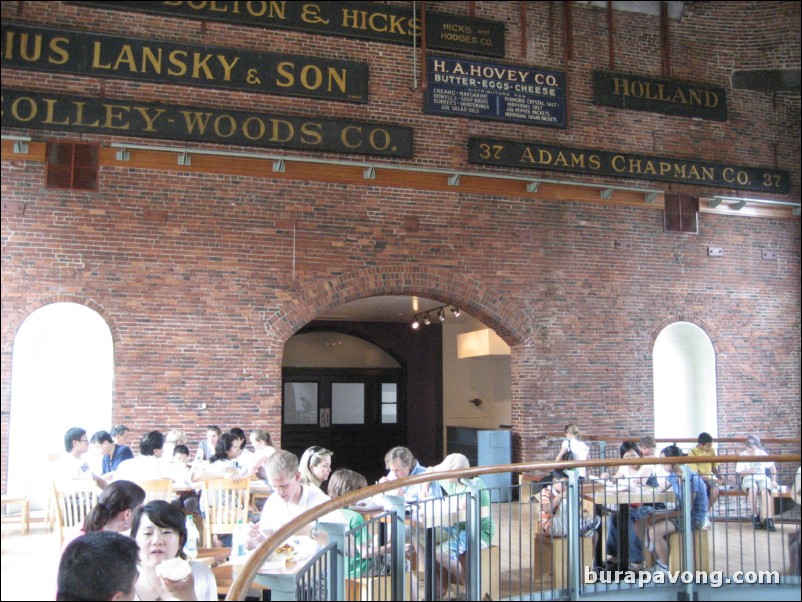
<point x="495" y="91"/>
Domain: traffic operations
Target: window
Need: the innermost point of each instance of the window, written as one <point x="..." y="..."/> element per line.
<point x="71" y="165"/>
<point x="681" y="214"/>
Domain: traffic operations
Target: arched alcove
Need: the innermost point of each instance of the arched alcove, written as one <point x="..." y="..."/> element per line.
<point x="62" y="376"/>
<point x="685" y="401"/>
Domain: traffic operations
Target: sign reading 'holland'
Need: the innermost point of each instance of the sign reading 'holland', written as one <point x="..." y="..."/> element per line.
<point x="63" y="51"/>
<point x="531" y="155"/>
<point x="668" y="96"/>
<point x="25" y="109"/>
<point x="494" y="91"/>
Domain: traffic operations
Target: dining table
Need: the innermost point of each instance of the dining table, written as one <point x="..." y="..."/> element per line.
<point x="621" y="500"/>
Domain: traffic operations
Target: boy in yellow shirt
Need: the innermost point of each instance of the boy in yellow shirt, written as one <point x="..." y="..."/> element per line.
<point x="707" y="470"/>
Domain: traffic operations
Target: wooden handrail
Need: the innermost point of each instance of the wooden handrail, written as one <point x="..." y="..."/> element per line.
<point x="241" y="584"/>
<point x="618" y="439"/>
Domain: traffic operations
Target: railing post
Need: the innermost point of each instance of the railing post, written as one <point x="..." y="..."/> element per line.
<point x="574" y="547"/>
<point x="474" y="531"/>
<point x="687" y="532"/>
<point x="395" y="504"/>
<point x="335" y="577"/>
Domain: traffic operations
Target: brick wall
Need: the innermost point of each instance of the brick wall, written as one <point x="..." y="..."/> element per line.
<point x="201" y="305"/>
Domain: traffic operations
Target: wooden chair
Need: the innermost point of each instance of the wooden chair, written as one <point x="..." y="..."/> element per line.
<point x="157" y="489"/>
<point x="73" y="500"/>
<point x="226" y="503"/>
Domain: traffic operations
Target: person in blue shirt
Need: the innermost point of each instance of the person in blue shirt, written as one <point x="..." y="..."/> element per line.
<point x="113" y="454"/>
<point x="661" y="529"/>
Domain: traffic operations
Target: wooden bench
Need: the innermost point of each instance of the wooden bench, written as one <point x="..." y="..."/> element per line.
<point x="373" y="588"/>
<point x="551" y="555"/>
<point x="701" y="551"/>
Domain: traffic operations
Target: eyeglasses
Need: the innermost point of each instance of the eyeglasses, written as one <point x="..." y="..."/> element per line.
<point x="84" y="440"/>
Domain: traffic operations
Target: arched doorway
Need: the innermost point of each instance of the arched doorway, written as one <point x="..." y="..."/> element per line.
<point x="685" y="401"/>
<point x="62" y="375"/>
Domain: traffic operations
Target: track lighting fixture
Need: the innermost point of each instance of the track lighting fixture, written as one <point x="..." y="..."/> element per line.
<point x="425" y="317"/>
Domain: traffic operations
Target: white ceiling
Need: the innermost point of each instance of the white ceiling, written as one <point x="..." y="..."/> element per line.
<point x="388" y="308"/>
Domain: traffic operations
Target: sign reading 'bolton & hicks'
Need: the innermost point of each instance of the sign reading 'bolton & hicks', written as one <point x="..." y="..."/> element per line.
<point x="531" y="155"/>
<point x="63" y="51"/>
<point x="495" y="91"/>
<point x="668" y="96"/>
<point x="26" y="109"/>
<point x="364" y="20"/>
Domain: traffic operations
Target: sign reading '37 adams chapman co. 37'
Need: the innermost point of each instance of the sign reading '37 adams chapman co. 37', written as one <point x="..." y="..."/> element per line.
<point x="532" y="155"/>
<point x="82" y="53"/>
<point x="26" y="109"/>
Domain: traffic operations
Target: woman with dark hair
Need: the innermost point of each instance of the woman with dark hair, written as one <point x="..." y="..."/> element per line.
<point x="223" y="462"/>
<point x="661" y="529"/>
<point x="160" y="530"/>
<point x="635" y="478"/>
<point x="115" y="508"/>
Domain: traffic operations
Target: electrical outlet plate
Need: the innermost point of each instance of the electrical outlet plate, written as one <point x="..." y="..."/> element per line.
<point x="623" y="244"/>
<point x="770" y="254"/>
<point x="715" y="252"/>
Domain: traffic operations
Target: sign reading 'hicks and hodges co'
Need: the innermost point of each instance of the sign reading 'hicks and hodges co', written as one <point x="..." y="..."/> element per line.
<point x="25" y="109"/>
<point x="63" y="51"/>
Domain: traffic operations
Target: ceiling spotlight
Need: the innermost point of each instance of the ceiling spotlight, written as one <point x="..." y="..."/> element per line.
<point x="455" y="311"/>
<point x="415" y="323"/>
<point x="441" y="315"/>
<point x="426" y="319"/>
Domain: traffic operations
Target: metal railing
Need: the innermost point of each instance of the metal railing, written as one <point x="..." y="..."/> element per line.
<point x="507" y="555"/>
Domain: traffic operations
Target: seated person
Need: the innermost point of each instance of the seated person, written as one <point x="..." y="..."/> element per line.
<point x="223" y="463"/>
<point x="112" y="453"/>
<point x="147" y="465"/>
<point x="456" y="543"/>
<point x="290" y="499"/>
<point x="315" y="465"/>
<point x="554" y="514"/>
<point x="401" y="463"/>
<point x="708" y="470"/>
<point x="207" y="447"/>
<point x="367" y="558"/>
<point x="667" y="522"/>
<point x="115" y="508"/>
<point x="636" y="477"/>
<point x="101" y="565"/>
<point x="757" y="480"/>
<point x="246" y="456"/>
<point x="160" y="529"/>
<point x="262" y="450"/>
<point x="73" y="466"/>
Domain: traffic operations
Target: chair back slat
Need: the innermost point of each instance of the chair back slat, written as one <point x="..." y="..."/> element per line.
<point x="157" y="489"/>
<point x="227" y="504"/>
<point x="74" y="500"/>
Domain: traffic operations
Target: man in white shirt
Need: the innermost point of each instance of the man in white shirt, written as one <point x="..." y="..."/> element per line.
<point x="290" y="499"/>
<point x="146" y="466"/>
<point x="73" y="466"/>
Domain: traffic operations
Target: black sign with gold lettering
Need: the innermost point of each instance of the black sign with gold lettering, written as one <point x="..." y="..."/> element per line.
<point x="39" y="110"/>
<point x="669" y="96"/>
<point x="63" y="51"/>
<point x="643" y="167"/>
<point x="365" y="20"/>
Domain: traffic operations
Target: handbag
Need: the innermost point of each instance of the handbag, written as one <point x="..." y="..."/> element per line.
<point x="569" y="455"/>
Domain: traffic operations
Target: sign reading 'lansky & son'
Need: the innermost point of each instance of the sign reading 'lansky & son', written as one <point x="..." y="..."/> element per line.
<point x="669" y="96"/>
<point x="25" y="109"/>
<point x="63" y="51"/>
<point x="494" y="91"/>
<point x="643" y="167"/>
<point x="365" y="20"/>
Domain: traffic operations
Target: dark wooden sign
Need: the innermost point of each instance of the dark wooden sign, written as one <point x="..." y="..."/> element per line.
<point x="495" y="91"/>
<point x="668" y="96"/>
<point x="40" y="110"/>
<point x="82" y="53"/>
<point x="364" y="20"/>
<point x="528" y="155"/>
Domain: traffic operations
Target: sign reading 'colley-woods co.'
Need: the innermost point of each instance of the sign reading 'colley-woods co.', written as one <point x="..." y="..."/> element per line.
<point x="25" y="109"/>
<point x="643" y="167"/>
<point x="62" y="51"/>
<point x="364" y="20"/>
<point x="668" y="96"/>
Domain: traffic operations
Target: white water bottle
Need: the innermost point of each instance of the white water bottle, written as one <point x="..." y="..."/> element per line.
<point x="239" y="541"/>
<point x="191" y="547"/>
